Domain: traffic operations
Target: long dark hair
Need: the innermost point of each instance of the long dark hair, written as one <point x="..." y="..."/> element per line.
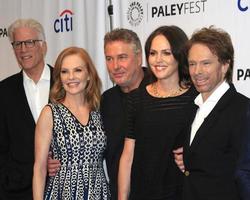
<point x="177" y="40"/>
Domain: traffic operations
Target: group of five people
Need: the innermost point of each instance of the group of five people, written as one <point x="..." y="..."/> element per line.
<point x="177" y="129"/>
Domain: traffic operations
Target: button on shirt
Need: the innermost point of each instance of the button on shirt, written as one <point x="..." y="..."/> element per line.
<point x="37" y="93"/>
<point x="206" y="107"/>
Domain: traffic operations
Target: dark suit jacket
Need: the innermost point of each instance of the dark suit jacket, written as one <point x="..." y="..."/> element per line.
<point x="243" y="171"/>
<point x="17" y="128"/>
<point x="210" y="161"/>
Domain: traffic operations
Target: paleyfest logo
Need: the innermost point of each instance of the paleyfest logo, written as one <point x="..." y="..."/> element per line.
<point x="135" y="13"/>
<point x="65" y="22"/>
<point x="242" y="6"/>
<point x="243" y="74"/>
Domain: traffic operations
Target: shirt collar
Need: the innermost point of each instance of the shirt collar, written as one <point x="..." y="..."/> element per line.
<point x="45" y="74"/>
<point x="215" y="96"/>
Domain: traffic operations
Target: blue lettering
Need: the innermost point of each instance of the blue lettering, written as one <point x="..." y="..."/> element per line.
<point x="61" y="25"/>
<point x="57" y="22"/>
<point x="71" y="23"/>
<point x="243" y="9"/>
<point x="66" y="19"/>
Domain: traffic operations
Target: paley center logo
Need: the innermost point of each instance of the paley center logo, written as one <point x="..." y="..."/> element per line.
<point x="135" y="13"/>
<point x="64" y="22"/>
<point x="3" y="32"/>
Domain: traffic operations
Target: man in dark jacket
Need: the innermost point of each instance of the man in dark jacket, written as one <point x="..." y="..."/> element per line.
<point x="212" y="148"/>
<point x="23" y="95"/>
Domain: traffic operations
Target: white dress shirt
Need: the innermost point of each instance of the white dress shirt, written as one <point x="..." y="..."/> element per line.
<point x="37" y="93"/>
<point x="206" y="107"/>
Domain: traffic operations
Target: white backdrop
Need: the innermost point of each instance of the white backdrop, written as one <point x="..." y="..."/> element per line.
<point x="81" y="23"/>
<point x="90" y="21"/>
<point x="144" y="16"/>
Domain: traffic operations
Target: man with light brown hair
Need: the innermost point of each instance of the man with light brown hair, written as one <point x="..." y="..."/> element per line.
<point x="212" y="148"/>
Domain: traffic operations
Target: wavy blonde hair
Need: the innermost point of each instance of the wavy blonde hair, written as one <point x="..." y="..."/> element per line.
<point x="92" y="92"/>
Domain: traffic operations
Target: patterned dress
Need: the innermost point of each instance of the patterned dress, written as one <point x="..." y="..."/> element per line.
<point x="80" y="149"/>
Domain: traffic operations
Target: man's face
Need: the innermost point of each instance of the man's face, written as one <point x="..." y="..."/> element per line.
<point x="206" y="72"/>
<point x="29" y="58"/>
<point x="122" y="62"/>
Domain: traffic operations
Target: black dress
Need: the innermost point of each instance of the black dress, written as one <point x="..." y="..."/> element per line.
<point x="158" y="125"/>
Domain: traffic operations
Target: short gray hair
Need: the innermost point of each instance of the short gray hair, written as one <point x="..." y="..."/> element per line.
<point x="29" y="23"/>
<point x="124" y="35"/>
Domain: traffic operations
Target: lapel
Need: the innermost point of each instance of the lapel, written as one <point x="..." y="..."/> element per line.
<point x="193" y="110"/>
<point x="51" y="75"/>
<point x="209" y="121"/>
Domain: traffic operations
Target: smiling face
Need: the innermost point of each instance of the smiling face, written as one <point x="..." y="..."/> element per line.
<point x="29" y="58"/>
<point x="74" y="74"/>
<point x="206" y="72"/>
<point x="161" y="59"/>
<point x="123" y="63"/>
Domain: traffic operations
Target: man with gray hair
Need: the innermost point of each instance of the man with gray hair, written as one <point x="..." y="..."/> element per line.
<point x="23" y="96"/>
<point x="123" y="53"/>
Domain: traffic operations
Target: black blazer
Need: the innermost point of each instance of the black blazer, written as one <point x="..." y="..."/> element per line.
<point x="243" y="171"/>
<point x="210" y="161"/>
<point x="17" y="128"/>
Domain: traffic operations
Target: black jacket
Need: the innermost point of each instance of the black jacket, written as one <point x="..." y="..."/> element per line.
<point x="17" y="128"/>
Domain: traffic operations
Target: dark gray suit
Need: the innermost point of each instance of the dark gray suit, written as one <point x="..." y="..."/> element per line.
<point x="17" y="128"/>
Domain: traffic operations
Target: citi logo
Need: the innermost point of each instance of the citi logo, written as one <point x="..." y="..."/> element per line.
<point x="65" y="22"/>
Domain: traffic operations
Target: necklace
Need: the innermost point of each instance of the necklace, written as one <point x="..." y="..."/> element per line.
<point x="171" y="94"/>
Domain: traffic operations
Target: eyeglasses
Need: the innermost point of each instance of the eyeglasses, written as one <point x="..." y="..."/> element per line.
<point x="17" y="45"/>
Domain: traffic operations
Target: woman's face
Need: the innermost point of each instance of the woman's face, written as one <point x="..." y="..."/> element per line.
<point x="161" y="59"/>
<point x="74" y="74"/>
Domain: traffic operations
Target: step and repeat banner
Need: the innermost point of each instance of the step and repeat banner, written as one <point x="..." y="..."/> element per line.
<point x="80" y="23"/>
<point x="84" y="23"/>
<point x="233" y="16"/>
